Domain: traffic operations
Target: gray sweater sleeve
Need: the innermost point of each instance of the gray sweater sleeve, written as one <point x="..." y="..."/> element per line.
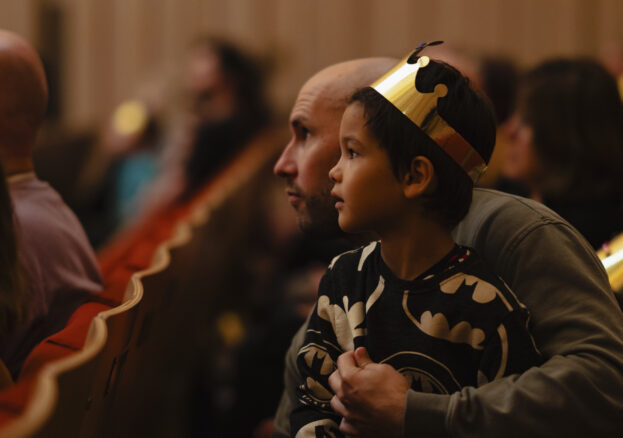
<point x="577" y="325"/>
<point x="292" y="379"/>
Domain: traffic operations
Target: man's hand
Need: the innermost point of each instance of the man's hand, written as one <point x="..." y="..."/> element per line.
<point x="370" y="397"/>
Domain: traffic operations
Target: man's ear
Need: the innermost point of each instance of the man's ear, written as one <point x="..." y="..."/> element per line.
<point x="420" y="178"/>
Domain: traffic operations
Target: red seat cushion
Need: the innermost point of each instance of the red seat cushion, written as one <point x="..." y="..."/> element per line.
<point x="74" y="334"/>
<point x="14" y="399"/>
<point x="65" y="342"/>
<point x="42" y="354"/>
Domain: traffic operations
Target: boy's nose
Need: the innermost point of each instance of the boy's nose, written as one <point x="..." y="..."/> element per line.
<point x="334" y="173"/>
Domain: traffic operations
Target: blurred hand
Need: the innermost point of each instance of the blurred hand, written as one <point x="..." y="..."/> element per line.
<point x="370" y="397"/>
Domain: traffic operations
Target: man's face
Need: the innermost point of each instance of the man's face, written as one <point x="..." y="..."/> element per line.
<point x="308" y="157"/>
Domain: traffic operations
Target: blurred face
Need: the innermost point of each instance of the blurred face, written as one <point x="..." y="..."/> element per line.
<point x="305" y="162"/>
<point x="369" y="195"/>
<point x="211" y="94"/>
<point x="521" y="162"/>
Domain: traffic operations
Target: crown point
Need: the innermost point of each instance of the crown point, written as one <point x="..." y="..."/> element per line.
<point x="423" y="61"/>
<point x="399" y="87"/>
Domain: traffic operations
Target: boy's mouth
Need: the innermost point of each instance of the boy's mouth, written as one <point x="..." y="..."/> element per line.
<point x="339" y="202"/>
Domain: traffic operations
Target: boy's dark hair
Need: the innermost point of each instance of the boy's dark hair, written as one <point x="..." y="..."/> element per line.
<point x="462" y="108"/>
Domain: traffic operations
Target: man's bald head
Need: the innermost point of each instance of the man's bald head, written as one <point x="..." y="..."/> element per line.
<point x="314" y="146"/>
<point x="23" y="94"/>
<point x="339" y="81"/>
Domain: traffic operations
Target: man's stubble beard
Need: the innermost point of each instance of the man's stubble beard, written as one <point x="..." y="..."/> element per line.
<point x="320" y="216"/>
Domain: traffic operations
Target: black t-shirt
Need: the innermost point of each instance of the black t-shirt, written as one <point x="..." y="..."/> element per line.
<point x="456" y="325"/>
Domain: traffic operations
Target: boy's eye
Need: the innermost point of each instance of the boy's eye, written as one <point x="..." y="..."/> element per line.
<point x="351" y="153"/>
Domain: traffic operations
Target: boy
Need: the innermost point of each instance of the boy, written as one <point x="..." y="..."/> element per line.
<point x="417" y="301"/>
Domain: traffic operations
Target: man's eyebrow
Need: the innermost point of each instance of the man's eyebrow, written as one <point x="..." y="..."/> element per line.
<point x="298" y="121"/>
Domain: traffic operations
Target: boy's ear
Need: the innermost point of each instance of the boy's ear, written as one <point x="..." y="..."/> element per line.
<point x="420" y="178"/>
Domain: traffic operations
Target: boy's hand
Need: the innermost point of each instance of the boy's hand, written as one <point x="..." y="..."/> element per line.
<point x="370" y="397"/>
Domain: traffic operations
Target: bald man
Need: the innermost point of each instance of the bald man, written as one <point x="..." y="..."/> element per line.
<point x="576" y="322"/>
<point x="53" y="247"/>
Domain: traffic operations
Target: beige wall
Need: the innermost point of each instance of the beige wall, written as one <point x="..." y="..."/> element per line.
<point x="115" y="45"/>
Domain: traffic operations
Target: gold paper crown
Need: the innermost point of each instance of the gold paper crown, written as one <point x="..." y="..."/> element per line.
<point x="398" y="87"/>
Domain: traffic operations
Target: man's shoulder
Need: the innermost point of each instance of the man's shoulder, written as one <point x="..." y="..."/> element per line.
<point x="31" y="197"/>
<point x="502" y="218"/>
<point x="504" y="205"/>
<point x="45" y="221"/>
<point x="524" y="241"/>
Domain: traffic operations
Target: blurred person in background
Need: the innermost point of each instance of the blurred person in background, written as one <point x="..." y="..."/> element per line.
<point x="611" y="56"/>
<point x="225" y="93"/>
<point x="223" y="109"/>
<point x="498" y="79"/>
<point x="156" y="152"/>
<point x="123" y="161"/>
<point x="13" y="278"/>
<point x="567" y="144"/>
<point x="52" y="245"/>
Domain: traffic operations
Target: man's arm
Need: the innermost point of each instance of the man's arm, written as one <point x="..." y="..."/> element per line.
<point x="578" y="327"/>
<point x="292" y="379"/>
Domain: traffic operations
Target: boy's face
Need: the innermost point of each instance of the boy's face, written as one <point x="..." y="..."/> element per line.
<point x="369" y="195"/>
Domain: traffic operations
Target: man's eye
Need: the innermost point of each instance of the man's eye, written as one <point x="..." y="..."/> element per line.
<point x="304" y="133"/>
<point x="351" y="153"/>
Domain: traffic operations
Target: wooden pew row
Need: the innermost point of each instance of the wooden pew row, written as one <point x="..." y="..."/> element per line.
<point x="126" y="326"/>
<point x="57" y="390"/>
<point x="68" y="386"/>
<point x="176" y="304"/>
<point x="74" y="383"/>
<point x="98" y="350"/>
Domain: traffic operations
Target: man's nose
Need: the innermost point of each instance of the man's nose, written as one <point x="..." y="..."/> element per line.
<point x="286" y="164"/>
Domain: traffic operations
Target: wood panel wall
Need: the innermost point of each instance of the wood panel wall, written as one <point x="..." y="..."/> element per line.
<point x="113" y="46"/>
